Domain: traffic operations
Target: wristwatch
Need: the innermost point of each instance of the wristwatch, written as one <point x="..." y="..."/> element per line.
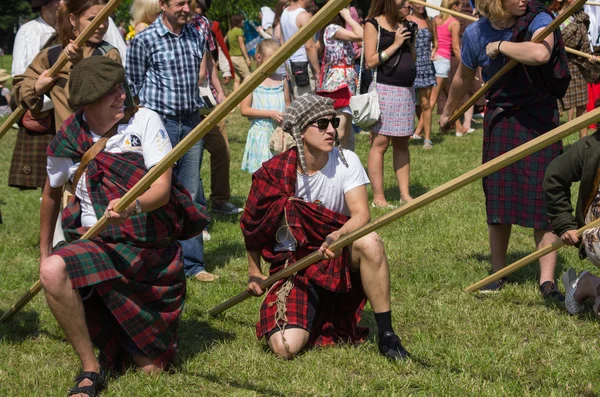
<point x="138" y="207"/>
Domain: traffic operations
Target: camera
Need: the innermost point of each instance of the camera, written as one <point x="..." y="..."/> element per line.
<point x="412" y="28"/>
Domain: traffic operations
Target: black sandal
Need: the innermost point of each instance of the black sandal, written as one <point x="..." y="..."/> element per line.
<point x="98" y="383"/>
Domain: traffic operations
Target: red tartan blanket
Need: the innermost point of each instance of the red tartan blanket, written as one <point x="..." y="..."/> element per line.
<point x="136" y="269"/>
<point x="271" y="196"/>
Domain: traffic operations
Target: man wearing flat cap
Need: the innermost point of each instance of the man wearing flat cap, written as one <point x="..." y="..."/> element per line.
<point x="303" y="200"/>
<point x="122" y="291"/>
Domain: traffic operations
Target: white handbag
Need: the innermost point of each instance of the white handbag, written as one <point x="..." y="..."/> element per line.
<point x="365" y="107"/>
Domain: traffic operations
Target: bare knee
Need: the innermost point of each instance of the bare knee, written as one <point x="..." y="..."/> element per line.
<point x="380" y="143"/>
<point x="369" y="249"/>
<point x="53" y="272"/>
<point x="295" y="339"/>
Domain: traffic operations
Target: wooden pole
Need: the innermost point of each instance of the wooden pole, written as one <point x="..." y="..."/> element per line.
<point x="527" y="260"/>
<point x="592" y="3"/>
<point x="512" y="63"/>
<point x="108" y="9"/>
<point x="485" y="169"/>
<point x="473" y="19"/>
<point x="446" y="10"/>
<point x="330" y="10"/>
<point x="578" y="53"/>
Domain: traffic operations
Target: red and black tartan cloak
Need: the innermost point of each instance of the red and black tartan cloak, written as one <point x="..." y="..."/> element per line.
<point x="522" y="106"/>
<point x="272" y="194"/>
<point x="136" y="269"/>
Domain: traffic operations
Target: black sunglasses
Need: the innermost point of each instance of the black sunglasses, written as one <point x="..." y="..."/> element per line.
<point x="322" y="124"/>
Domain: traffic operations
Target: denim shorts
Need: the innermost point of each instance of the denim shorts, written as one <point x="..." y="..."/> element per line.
<point x="442" y="67"/>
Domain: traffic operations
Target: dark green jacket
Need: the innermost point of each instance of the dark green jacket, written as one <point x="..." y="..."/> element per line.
<point x="579" y="163"/>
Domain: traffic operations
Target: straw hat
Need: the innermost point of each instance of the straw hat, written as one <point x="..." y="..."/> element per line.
<point x="4" y="75"/>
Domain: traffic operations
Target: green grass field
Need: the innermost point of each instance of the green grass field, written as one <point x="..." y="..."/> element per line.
<point x="509" y="344"/>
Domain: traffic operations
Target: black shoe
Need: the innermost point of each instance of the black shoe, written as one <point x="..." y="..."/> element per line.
<point x="496" y="286"/>
<point x="390" y="346"/>
<point x="550" y="293"/>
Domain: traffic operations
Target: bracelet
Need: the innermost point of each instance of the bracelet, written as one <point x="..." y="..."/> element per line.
<point x="500" y="42"/>
<point x="383" y="57"/>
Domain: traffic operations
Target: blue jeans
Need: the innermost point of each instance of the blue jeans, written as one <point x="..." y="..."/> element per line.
<point x="187" y="171"/>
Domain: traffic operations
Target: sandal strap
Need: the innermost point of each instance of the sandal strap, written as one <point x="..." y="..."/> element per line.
<point x="98" y="380"/>
<point x="90" y="390"/>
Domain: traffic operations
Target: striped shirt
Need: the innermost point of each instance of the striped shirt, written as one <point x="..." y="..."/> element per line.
<point x="162" y="69"/>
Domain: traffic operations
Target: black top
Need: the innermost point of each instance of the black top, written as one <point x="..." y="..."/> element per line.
<point x="400" y="69"/>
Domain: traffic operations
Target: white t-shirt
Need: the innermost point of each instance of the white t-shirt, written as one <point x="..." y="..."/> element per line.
<point x="144" y="134"/>
<point x="328" y="188"/>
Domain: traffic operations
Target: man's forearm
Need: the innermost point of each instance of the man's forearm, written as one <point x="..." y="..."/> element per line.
<point x="254" y="262"/>
<point x="48" y="215"/>
<point x="355" y="222"/>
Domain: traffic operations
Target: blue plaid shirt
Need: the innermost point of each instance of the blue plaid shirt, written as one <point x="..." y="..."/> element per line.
<point x="162" y="69"/>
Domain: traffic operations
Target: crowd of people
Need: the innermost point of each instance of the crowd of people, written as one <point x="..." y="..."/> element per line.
<point x="124" y="100"/>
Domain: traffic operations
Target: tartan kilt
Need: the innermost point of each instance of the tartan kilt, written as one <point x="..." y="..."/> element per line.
<point x="138" y="296"/>
<point x="514" y="195"/>
<point x="28" y="164"/>
<point x="577" y="93"/>
<point x="337" y="315"/>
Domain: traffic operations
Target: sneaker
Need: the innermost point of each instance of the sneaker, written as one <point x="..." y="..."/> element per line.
<point x="205" y="235"/>
<point x="551" y="293"/>
<point x="416" y="137"/>
<point x="227" y="209"/>
<point x="391" y="348"/>
<point x="496" y="286"/>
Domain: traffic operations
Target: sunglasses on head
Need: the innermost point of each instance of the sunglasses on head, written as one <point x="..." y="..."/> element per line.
<point x="323" y="123"/>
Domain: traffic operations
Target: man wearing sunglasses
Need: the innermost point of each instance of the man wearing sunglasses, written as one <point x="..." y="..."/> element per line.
<point x="302" y="201"/>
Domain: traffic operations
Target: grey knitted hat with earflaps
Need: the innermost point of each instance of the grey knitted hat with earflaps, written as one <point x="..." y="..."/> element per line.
<point x="303" y="111"/>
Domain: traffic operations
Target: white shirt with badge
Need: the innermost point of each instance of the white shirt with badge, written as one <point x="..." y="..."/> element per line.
<point x="327" y="187"/>
<point x="144" y="134"/>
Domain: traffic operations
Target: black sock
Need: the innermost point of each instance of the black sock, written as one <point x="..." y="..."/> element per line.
<point x="384" y="322"/>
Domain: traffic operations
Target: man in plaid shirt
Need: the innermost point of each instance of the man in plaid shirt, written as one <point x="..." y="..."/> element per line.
<point x="301" y="201"/>
<point x="163" y="66"/>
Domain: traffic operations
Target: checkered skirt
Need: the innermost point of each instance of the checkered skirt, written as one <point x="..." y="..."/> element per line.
<point x="28" y="164"/>
<point x="577" y="94"/>
<point x="397" y="105"/>
<point x="138" y="296"/>
<point x="514" y="195"/>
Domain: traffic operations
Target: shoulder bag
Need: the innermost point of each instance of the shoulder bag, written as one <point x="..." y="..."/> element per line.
<point x="365" y="107"/>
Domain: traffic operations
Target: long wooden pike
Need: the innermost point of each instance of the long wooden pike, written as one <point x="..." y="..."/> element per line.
<point x="512" y="63"/>
<point x="592" y="3"/>
<point x="330" y="10"/>
<point x="108" y="9"/>
<point x="578" y="53"/>
<point x="485" y="169"/>
<point x="473" y="19"/>
<point x="527" y="260"/>
<point x="446" y="10"/>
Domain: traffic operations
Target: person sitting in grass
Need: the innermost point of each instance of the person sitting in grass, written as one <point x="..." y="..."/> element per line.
<point x="578" y="164"/>
<point x="303" y="200"/>
<point x="124" y="290"/>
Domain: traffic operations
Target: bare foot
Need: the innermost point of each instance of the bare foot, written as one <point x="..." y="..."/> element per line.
<point x="146" y="365"/>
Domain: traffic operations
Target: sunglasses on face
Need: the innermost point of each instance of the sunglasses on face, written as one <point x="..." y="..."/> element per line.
<point x="322" y="124"/>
